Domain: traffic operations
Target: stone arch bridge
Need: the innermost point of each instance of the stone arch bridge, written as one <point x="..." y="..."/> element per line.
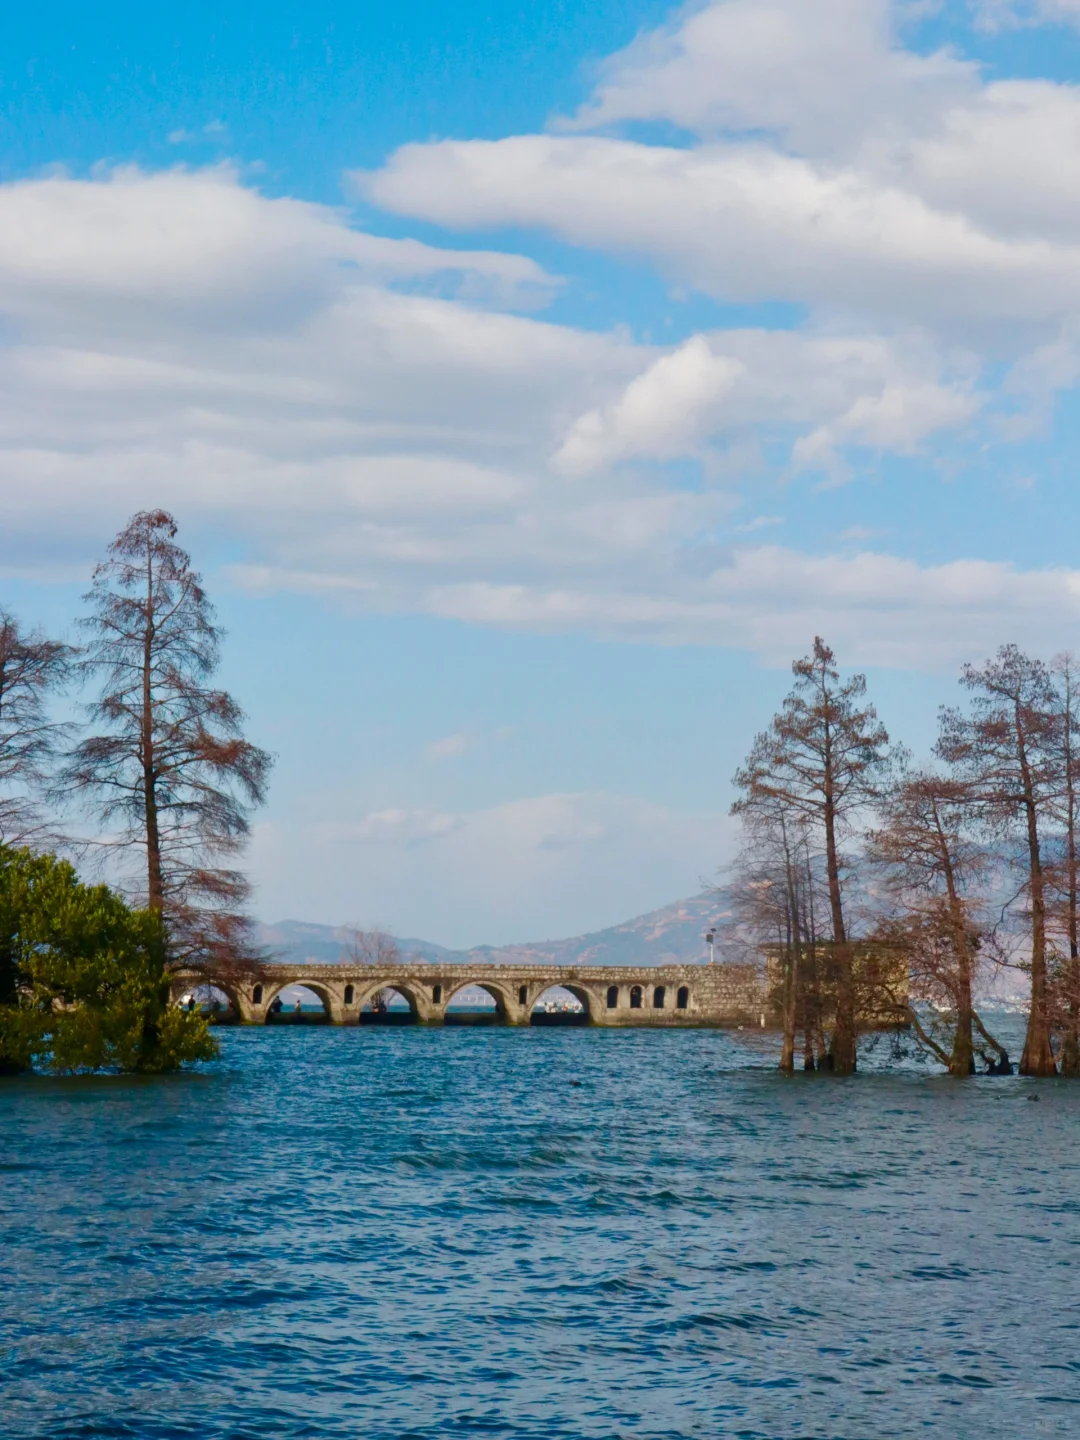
<point x="613" y="995"/>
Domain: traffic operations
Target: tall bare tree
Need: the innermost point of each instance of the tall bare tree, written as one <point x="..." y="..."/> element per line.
<point x="30" y="667"/>
<point x="931" y="862"/>
<point x="822" y="760"/>
<point x="1006" y="749"/>
<point x="168" y="764"/>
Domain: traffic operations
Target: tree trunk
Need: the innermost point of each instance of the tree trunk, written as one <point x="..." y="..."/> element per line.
<point x="1038" y="1056"/>
<point x="154" y="882"/>
<point x="842" y="1050"/>
<point x="962" y="1059"/>
<point x="787" y="1053"/>
<point x="1070" y="1040"/>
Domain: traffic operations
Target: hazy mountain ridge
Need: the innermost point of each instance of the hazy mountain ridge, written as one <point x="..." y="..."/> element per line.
<point x="673" y="934"/>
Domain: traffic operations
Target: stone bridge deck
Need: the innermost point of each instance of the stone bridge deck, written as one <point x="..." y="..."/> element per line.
<point x="615" y="995"/>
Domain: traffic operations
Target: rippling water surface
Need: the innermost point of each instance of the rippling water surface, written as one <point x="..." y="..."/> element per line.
<point x="540" y="1233"/>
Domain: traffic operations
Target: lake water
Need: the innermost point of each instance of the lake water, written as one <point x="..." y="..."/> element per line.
<point x="548" y="1234"/>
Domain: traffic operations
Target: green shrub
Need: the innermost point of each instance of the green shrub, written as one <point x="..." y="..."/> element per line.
<point x="83" y="982"/>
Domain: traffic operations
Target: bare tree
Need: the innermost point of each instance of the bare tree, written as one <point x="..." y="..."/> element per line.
<point x="168" y="766"/>
<point x="371" y="947"/>
<point x="771" y="892"/>
<point x="822" y="761"/>
<point x="30" y="667"/>
<point x="930" y="862"/>
<point x="1007" y="751"/>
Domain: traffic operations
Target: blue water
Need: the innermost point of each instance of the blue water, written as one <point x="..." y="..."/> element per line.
<point x="409" y="1233"/>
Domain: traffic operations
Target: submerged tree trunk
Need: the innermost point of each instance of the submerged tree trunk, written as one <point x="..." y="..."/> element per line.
<point x="842" y="1050"/>
<point x="1070" y="1039"/>
<point x="1038" y="1056"/>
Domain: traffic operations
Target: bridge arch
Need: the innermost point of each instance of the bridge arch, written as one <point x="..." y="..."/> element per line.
<point x="581" y="994"/>
<point x="365" y="997"/>
<point x="499" y="993"/>
<point x="216" y="998"/>
<point x="274" y="992"/>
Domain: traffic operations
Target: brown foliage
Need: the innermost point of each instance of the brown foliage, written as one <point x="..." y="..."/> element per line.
<point x="822" y="761"/>
<point x="1006" y="750"/>
<point x="930" y="862"/>
<point x="168" y="765"/>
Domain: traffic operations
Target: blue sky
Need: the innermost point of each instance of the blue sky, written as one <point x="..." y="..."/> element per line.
<point x="531" y="383"/>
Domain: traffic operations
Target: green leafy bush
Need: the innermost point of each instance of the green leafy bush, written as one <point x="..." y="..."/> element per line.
<point x="83" y="982"/>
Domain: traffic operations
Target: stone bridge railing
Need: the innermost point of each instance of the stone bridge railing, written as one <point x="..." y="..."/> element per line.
<point x="611" y="994"/>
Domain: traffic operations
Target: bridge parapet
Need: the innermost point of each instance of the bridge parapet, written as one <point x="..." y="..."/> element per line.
<point x="613" y="995"/>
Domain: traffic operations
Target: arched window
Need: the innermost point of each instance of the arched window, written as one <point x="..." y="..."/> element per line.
<point x="349" y="993"/>
<point x="635" y="997"/>
<point x="682" y="999"/>
<point x="658" y="997"/>
<point x="523" y="994"/>
<point x="436" y="994"/>
<point x="256" y="995"/>
<point x="612" y="996"/>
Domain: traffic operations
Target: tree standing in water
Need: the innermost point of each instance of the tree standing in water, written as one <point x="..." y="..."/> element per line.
<point x="822" y="760"/>
<point x="770" y="890"/>
<point x="1006" y="750"/>
<point x="1065" y="872"/>
<point x="30" y="667"/>
<point x="929" y="860"/>
<point x="169" y="764"/>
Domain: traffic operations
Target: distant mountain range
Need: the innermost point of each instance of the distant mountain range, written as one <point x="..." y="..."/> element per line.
<point x="671" y="935"/>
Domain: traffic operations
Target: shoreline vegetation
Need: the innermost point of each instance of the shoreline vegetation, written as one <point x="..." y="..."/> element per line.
<point x="874" y="882"/>
<point x="161" y="770"/>
<point x="866" y="885"/>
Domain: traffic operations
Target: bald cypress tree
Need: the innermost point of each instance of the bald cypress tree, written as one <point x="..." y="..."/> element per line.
<point x="821" y="761"/>
<point x="1007" y="748"/>
<point x="167" y="766"/>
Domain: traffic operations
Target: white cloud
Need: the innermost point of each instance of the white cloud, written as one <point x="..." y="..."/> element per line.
<point x="747" y="223"/>
<point x="369" y="441"/>
<point x="662" y="413"/>
<point x="362" y="420"/>
<point x="998" y="14"/>
<point x="449" y="747"/>
<point x="887" y="396"/>
<point x="876" y="608"/>
<point x="834" y="168"/>
<point x="808" y="73"/>
<point x="199" y="251"/>
<point x="536" y="868"/>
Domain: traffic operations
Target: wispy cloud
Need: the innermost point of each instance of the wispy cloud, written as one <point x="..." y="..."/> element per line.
<point x="448" y="748"/>
<point x="759" y="522"/>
